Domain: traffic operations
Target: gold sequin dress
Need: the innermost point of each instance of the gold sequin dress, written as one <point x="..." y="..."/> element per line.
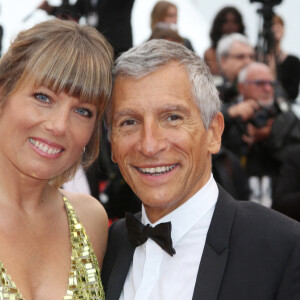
<point x="84" y="276"/>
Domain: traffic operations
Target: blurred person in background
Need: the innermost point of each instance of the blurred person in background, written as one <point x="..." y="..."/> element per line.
<point x="111" y="17"/>
<point x="164" y="31"/>
<point x="167" y="12"/>
<point x="285" y="66"/>
<point x="234" y="51"/>
<point x="228" y="20"/>
<point x="259" y="133"/>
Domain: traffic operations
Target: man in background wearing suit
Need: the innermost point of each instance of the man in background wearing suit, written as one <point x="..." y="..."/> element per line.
<point x="164" y="123"/>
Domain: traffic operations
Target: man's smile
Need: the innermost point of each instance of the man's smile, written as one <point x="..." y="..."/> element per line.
<point x="156" y="171"/>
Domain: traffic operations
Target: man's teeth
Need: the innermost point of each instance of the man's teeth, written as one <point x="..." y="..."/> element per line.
<point x="157" y="170"/>
<point x="43" y="147"/>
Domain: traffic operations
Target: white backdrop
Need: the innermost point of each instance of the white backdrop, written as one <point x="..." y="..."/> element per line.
<point x="194" y="19"/>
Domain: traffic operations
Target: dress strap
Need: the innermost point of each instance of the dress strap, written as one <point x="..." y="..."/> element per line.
<point x="84" y="278"/>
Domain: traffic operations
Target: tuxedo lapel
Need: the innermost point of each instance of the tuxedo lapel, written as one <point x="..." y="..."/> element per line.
<point x="121" y="261"/>
<point x="119" y="271"/>
<point x="215" y="253"/>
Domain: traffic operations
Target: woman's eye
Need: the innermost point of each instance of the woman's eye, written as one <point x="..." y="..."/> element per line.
<point x="84" y="112"/>
<point x="42" y="97"/>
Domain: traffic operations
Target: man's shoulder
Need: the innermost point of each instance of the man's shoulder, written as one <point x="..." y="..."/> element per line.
<point x="261" y="220"/>
<point x="260" y="215"/>
<point x="118" y="227"/>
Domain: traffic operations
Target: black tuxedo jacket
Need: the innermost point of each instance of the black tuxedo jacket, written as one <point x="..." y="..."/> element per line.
<point x="251" y="253"/>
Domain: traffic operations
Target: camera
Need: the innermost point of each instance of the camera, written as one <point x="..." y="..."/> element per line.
<point x="262" y="116"/>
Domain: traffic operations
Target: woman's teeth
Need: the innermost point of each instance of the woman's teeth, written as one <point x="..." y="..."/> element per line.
<point x="44" y="147"/>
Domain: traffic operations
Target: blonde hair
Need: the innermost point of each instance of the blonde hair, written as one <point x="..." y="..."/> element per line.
<point x="64" y="57"/>
<point x="159" y="12"/>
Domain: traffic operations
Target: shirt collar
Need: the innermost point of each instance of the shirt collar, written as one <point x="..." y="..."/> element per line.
<point x="189" y="213"/>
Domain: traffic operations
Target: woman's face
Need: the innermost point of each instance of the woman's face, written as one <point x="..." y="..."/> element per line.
<point x="230" y="24"/>
<point x="278" y="31"/>
<point x="171" y="15"/>
<point x="43" y="133"/>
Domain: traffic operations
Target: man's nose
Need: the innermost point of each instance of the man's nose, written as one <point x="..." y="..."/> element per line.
<point x="153" y="139"/>
<point x="268" y="86"/>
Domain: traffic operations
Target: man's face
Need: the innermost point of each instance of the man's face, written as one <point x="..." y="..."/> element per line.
<point x="238" y="57"/>
<point x="158" y="138"/>
<point x="259" y="85"/>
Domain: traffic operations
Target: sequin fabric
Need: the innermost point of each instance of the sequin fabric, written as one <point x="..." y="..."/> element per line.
<point x="84" y="277"/>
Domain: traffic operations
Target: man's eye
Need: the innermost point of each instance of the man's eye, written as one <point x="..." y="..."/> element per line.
<point x="174" y="118"/>
<point x="84" y="112"/>
<point x="128" y="123"/>
<point x="42" y="97"/>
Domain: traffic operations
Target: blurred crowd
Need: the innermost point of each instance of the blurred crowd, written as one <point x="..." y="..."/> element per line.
<point x="259" y="160"/>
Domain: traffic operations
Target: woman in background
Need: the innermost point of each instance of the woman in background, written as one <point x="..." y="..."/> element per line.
<point x="54" y="85"/>
<point x="166" y="12"/>
<point x="228" y="20"/>
<point x="286" y="66"/>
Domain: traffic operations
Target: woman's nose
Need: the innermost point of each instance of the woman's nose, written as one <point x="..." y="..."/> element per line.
<point x="57" y="122"/>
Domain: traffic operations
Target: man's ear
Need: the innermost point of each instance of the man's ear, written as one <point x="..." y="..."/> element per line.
<point x="112" y="156"/>
<point x="216" y="129"/>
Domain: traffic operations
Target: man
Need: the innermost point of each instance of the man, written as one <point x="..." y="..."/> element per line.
<point x="256" y="94"/>
<point x="234" y="51"/>
<point x="250" y="133"/>
<point x="164" y="123"/>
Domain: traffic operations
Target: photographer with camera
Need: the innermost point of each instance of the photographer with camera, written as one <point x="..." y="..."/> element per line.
<point x="249" y="132"/>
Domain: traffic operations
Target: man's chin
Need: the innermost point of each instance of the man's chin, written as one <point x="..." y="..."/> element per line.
<point x="266" y="102"/>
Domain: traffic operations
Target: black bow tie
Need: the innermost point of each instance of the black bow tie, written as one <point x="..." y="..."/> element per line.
<point x="139" y="233"/>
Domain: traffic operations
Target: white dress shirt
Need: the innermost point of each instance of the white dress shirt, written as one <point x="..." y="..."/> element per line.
<point x="154" y="274"/>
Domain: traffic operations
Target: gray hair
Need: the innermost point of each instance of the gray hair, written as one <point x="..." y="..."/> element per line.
<point x="243" y="74"/>
<point x="148" y="57"/>
<point x="226" y="42"/>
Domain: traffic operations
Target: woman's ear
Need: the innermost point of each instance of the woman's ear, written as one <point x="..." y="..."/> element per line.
<point x="216" y="129"/>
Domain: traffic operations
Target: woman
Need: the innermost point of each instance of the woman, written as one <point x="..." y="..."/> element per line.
<point x="286" y="66"/>
<point x="166" y="33"/>
<point x="228" y="20"/>
<point x="54" y="84"/>
<point x="166" y="12"/>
